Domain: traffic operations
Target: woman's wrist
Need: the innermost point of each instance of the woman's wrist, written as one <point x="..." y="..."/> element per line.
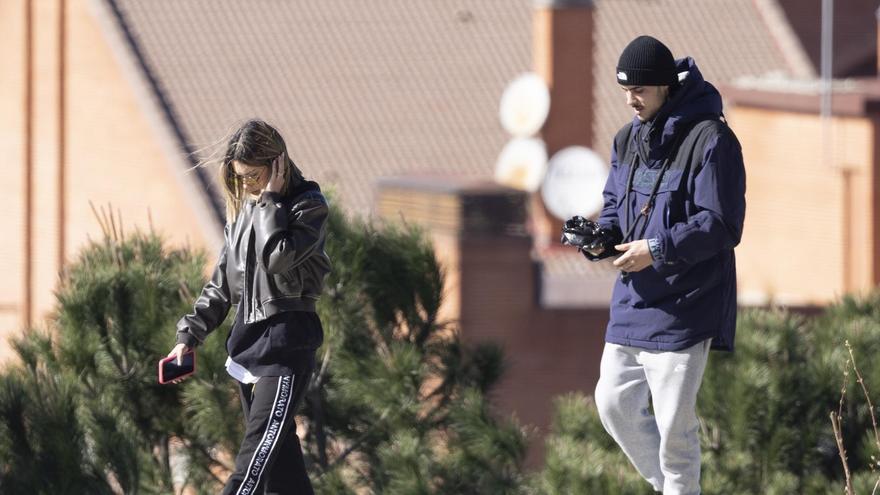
<point x="187" y="339"/>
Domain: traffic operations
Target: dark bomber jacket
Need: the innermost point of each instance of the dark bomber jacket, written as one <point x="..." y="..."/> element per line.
<point x="272" y="261"/>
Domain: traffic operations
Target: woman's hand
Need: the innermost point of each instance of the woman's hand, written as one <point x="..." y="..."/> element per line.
<point x="276" y="179"/>
<point x="178" y="352"/>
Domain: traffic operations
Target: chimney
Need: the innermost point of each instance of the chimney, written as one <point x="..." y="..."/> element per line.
<point x="877" y="18"/>
<point x="478" y="231"/>
<point x="562" y="49"/>
<point x="563" y="56"/>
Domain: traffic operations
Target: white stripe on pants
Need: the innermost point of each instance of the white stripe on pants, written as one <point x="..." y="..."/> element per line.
<point x="273" y="435"/>
<point x="664" y="447"/>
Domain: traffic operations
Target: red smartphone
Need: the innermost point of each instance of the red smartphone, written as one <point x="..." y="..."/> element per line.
<point x="169" y="370"/>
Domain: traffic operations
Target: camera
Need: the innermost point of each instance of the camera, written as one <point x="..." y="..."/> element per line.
<point x="587" y="235"/>
<point x="579" y="232"/>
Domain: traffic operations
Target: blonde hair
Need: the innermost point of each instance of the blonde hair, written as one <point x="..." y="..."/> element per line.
<point x="254" y="143"/>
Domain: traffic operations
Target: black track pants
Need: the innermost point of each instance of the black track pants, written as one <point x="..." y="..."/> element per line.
<point x="270" y="459"/>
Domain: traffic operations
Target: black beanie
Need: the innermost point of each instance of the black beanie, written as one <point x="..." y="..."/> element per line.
<point x="646" y="62"/>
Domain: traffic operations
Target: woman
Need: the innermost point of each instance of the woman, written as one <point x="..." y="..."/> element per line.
<point x="272" y="268"/>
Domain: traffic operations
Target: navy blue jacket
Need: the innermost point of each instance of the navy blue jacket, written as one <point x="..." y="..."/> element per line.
<point x="689" y="293"/>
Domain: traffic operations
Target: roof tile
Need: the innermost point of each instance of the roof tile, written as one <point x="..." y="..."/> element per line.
<point x="362" y="90"/>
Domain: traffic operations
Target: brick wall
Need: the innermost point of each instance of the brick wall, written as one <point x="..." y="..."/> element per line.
<point x="114" y="155"/>
<point x="810" y="217"/>
<point x="12" y="87"/>
<point x="494" y="295"/>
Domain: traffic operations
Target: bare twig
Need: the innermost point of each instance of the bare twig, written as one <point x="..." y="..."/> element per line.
<point x="838" y="437"/>
<point x="318" y="381"/>
<point x="381" y="345"/>
<point x="113" y="231"/>
<point x="100" y="218"/>
<point x="121" y="227"/>
<point x="836" y="418"/>
<point x="843" y="387"/>
<point x="150" y="221"/>
<point x="838" y="433"/>
<point x="360" y="440"/>
<point x="867" y="397"/>
<point x="184" y="291"/>
<point x="874" y="462"/>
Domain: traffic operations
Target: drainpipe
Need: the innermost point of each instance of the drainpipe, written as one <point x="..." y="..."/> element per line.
<point x="877" y="18"/>
<point x="62" y="132"/>
<point x="28" y="158"/>
<point x="562" y="54"/>
<point x="826" y="64"/>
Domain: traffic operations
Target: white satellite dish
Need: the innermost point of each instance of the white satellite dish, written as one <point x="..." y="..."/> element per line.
<point x="575" y="179"/>
<point x="522" y="164"/>
<point x="525" y="105"/>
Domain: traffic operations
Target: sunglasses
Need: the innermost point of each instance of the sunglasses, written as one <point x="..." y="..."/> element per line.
<point x="249" y="179"/>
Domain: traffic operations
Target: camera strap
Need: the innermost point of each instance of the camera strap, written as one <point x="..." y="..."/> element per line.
<point x="645" y="211"/>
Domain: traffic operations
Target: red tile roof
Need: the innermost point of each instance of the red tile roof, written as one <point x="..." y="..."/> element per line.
<point x="362" y="90"/>
<point x="359" y="89"/>
<point x="854" y="33"/>
<point x="726" y="38"/>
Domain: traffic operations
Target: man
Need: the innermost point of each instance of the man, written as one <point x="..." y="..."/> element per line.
<point x="674" y="208"/>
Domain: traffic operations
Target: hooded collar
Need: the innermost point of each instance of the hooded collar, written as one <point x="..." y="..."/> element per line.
<point x="695" y="99"/>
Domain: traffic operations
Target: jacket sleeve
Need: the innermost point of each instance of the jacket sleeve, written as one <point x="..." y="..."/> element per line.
<point x="719" y="196"/>
<point x="210" y="308"/>
<point x="286" y="236"/>
<point x="609" y="218"/>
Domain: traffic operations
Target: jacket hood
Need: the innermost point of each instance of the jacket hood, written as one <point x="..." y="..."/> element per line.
<point x="695" y="99"/>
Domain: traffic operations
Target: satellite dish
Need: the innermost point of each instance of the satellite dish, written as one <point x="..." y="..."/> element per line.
<point x="522" y="164"/>
<point x="525" y="105"/>
<point x="575" y="179"/>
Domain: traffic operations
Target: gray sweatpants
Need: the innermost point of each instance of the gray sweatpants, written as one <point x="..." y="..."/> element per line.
<point x="663" y="447"/>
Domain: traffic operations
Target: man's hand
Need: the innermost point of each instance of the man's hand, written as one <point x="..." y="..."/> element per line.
<point x="594" y="251"/>
<point x="636" y="256"/>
